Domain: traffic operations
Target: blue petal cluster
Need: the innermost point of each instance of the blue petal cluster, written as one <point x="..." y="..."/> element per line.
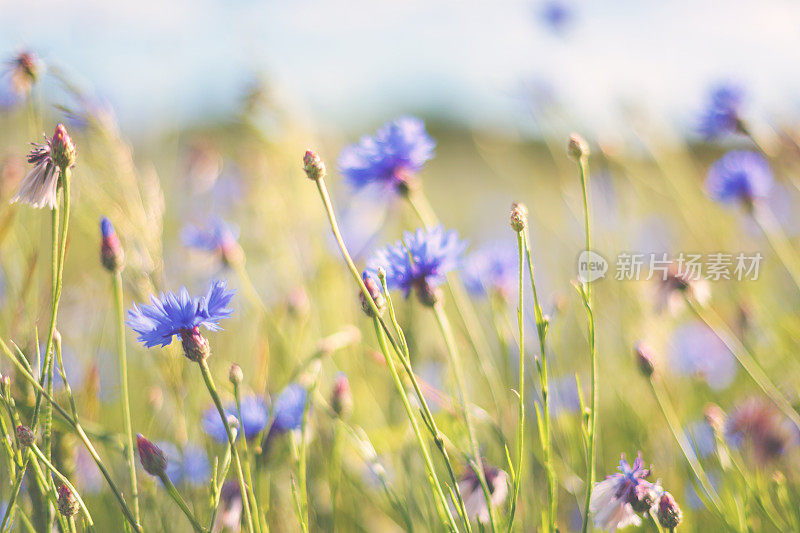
<point x="557" y="15"/>
<point x="739" y="176"/>
<point x="188" y="467"/>
<point x="288" y="409"/>
<point x="106" y="227"/>
<point x="173" y="314"/>
<point x="216" y="235"/>
<point x="721" y="114"/>
<point x="420" y="259"/>
<point x="398" y="148"/>
<point x="254" y="418"/>
<point x="492" y="268"/>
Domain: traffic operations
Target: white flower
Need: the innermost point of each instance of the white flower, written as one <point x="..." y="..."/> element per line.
<point x="39" y="187"/>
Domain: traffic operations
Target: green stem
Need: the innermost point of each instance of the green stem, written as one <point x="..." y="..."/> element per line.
<point x="583" y="171"/>
<point x="38" y="453"/>
<point x="76" y="426"/>
<point x="674" y="426"/>
<point x="455" y="362"/>
<point x="212" y="390"/>
<point x="126" y="405"/>
<point x="427" y="415"/>
<point x="436" y="488"/>
<point x="175" y="495"/>
<point x="544" y="384"/>
<point x="302" y="468"/>
<point x="250" y="486"/>
<point x="777" y="239"/>
<point x="748" y="362"/>
<point x="521" y="391"/>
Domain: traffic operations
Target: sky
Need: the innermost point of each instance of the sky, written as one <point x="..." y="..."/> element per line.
<point x="354" y="62"/>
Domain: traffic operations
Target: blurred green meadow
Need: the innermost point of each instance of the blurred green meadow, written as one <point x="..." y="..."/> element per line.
<point x="297" y="318"/>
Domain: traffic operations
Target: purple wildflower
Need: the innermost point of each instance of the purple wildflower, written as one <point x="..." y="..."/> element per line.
<point x="493" y="268"/>
<point x="180" y="314"/>
<point x="39" y="187"/>
<point x="419" y="261"/>
<point x="254" y="419"/>
<point x="612" y="498"/>
<point x="216" y="236"/>
<point x="722" y="111"/>
<point x="739" y="176"/>
<point x="389" y="159"/>
<point x="474" y="500"/>
<point x="288" y="409"/>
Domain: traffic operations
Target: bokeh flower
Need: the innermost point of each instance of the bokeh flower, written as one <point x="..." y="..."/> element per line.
<point x="697" y="351"/>
<point x="419" y="261"/>
<point x="254" y="418"/>
<point x="759" y="428"/>
<point x="492" y="269"/>
<point x="722" y="111"/>
<point x="288" y="409"/>
<point x="611" y="499"/>
<point x="474" y="499"/>
<point x="556" y="15"/>
<point x="389" y="159"/>
<point x="180" y="314"/>
<point x="217" y="236"/>
<point x="739" y="176"/>
<point x="229" y="517"/>
<point x="189" y="466"/>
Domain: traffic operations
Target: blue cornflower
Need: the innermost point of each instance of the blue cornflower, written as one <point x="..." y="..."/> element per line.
<point x="190" y="466"/>
<point x="557" y="15"/>
<point x="288" y="409"/>
<point x="254" y="419"/>
<point x="181" y="314"/>
<point x="494" y="268"/>
<point x="739" y="176"/>
<point x="613" y="499"/>
<point x="419" y="261"/>
<point x="216" y="236"/>
<point x="721" y="114"/>
<point x="390" y="158"/>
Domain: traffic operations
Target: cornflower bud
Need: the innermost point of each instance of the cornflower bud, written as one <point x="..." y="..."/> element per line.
<point x="375" y="293"/>
<point x="645" y="359"/>
<point x="111" y="254"/>
<point x="341" y="397"/>
<point x="314" y="166"/>
<point x="669" y="514"/>
<point x="235" y="375"/>
<point x="67" y="502"/>
<point x="25" y="436"/>
<point x="151" y="456"/>
<point x="63" y="149"/>
<point x="195" y="346"/>
<point x="519" y="216"/>
<point x="578" y="148"/>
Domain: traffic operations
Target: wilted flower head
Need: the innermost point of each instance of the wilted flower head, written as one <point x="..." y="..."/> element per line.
<point x="181" y="315"/>
<point x="217" y="236"/>
<point x="313" y="166"/>
<point x="390" y="158"/>
<point x="39" y="187"/>
<point x="25" y="436"/>
<point x="419" y="261"/>
<point x="612" y="498"/>
<point x="111" y="254"/>
<point x="645" y="359"/>
<point x="722" y="112"/>
<point x="67" y="502"/>
<point x="761" y="429"/>
<point x="254" y="418"/>
<point x="151" y="456"/>
<point x="697" y="351"/>
<point x="739" y="176"/>
<point x="474" y="499"/>
<point x="678" y="284"/>
<point x="492" y="269"/>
